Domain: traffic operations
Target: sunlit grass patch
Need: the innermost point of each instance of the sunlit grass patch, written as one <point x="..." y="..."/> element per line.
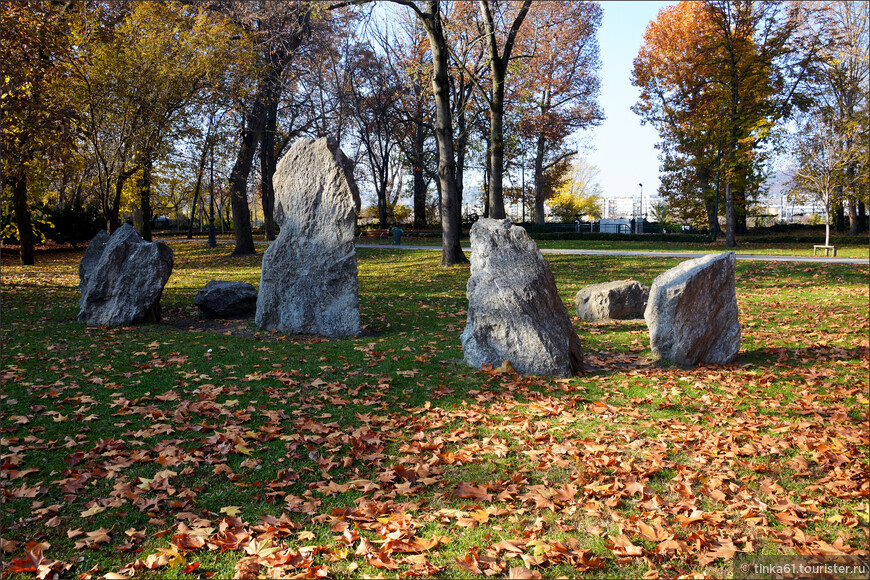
<point x="158" y="429"/>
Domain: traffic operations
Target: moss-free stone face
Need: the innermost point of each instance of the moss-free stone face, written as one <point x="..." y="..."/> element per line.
<point x="514" y="309"/>
<point x="309" y="282"/>
<point x="692" y="312"/>
<point x="620" y="299"/>
<point x="121" y="278"/>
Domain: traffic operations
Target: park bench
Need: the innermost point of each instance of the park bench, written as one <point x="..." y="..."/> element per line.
<point x="827" y="249"/>
<point x="379" y="234"/>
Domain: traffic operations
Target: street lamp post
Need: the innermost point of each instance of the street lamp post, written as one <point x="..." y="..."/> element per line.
<point x="212" y="242"/>
<point x="640" y="229"/>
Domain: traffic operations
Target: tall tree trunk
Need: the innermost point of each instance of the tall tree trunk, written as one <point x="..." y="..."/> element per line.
<point x="382" y="194"/>
<point x="839" y="216"/>
<point x="741" y="205"/>
<point x="207" y="147"/>
<point x="251" y="134"/>
<point x="862" y="217"/>
<point x="22" y="216"/>
<point x="461" y="147"/>
<point x="540" y="210"/>
<point x="498" y="65"/>
<point x="730" y="221"/>
<point x="145" y="199"/>
<point x="451" y="250"/>
<point x="419" y="177"/>
<point x="267" y="168"/>
<point x="115" y="210"/>
<point x="853" y="215"/>
<point x="702" y="180"/>
<point x="196" y="191"/>
<point x="496" y="151"/>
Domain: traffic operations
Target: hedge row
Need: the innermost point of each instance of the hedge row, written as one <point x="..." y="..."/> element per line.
<point x="614" y="237"/>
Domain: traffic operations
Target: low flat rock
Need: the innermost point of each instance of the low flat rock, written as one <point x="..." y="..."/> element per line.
<point x="121" y="278"/>
<point x="309" y="282"/>
<point x="224" y="299"/>
<point x="515" y="312"/>
<point x="620" y="299"/>
<point x="692" y="312"/>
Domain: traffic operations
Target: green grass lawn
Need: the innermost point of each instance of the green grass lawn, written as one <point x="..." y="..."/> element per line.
<point x="196" y="449"/>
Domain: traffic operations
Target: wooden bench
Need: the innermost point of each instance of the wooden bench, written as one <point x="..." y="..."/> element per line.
<point x="380" y="234"/>
<point x="827" y="249"/>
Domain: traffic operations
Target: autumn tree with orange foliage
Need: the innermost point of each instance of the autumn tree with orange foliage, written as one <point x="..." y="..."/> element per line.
<point x="560" y="83"/>
<point x="716" y="78"/>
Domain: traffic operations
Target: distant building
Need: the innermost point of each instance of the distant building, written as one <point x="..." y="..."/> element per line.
<point x="628" y="207"/>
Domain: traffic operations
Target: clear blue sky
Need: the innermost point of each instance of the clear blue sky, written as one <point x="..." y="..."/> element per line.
<point x="623" y="149"/>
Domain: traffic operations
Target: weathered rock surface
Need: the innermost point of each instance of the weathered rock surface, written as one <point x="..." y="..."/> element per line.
<point x="223" y="299"/>
<point x="692" y="312"/>
<point x="514" y="310"/>
<point x="622" y="299"/>
<point x="309" y="279"/>
<point x="92" y="257"/>
<point x="121" y="278"/>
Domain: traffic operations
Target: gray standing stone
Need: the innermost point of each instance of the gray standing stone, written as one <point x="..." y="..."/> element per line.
<point x="223" y="299"/>
<point x="622" y="299"/>
<point x="514" y="309"/>
<point x="692" y="312"/>
<point x="309" y="279"/>
<point x="122" y="278"/>
<point x="92" y="257"/>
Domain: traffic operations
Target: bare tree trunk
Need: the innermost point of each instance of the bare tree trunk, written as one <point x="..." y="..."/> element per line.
<point x="730" y="221"/>
<point x="22" y="217"/>
<point x="862" y="217"/>
<point x="115" y="212"/>
<point x="451" y="250"/>
<point x="251" y="135"/>
<point x="461" y="147"/>
<point x="498" y="71"/>
<point x="496" y="152"/>
<point x="145" y="199"/>
<point x="839" y="216"/>
<point x="196" y="190"/>
<point x="539" y="180"/>
<point x="419" y="177"/>
<point x="267" y="168"/>
<point x="382" y="194"/>
<point x="853" y="215"/>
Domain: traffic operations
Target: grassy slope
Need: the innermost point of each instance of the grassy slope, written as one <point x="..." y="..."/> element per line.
<point x="386" y="454"/>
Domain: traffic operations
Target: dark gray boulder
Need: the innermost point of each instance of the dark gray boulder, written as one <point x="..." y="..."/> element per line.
<point x="224" y="299"/>
<point x="620" y="299"/>
<point x="121" y="279"/>
<point x="515" y="312"/>
<point x="92" y="257"/>
<point x="309" y="279"/>
<point x="692" y="312"/>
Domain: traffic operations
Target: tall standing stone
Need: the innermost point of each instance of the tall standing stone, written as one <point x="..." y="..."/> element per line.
<point x="309" y="279"/>
<point x="692" y="312"/>
<point x="121" y="278"/>
<point x="515" y="312"/>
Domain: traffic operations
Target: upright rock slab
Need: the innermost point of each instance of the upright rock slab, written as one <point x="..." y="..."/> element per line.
<point x="514" y="310"/>
<point x="620" y="299"/>
<point x="309" y="281"/>
<point x="692" y="312"/>
<point x="121" y="278"/>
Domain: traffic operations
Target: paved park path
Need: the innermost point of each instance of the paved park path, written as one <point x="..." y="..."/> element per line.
<point x="755" y="257"/>
<point x="636" y="253"/>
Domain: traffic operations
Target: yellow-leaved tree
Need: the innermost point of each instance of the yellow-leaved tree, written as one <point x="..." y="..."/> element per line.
<point x="578" y="196"/>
